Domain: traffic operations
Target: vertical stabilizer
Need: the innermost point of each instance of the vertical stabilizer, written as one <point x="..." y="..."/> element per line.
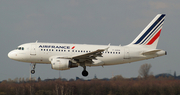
<point x="150" y="35"/>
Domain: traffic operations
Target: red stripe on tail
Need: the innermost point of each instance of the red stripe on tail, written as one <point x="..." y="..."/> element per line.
<point x="154" y="38"/>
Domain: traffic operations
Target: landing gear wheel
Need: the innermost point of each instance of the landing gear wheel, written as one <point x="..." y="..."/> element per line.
<point x="84" y="73"/>
<point x="32" y="71"/>
<point x="33" y="66"/>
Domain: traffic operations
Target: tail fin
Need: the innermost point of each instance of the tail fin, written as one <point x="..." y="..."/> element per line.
<point x="150" y="35"/>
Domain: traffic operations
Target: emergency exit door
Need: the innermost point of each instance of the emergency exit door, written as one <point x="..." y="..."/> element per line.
<point x="33" y="50"/>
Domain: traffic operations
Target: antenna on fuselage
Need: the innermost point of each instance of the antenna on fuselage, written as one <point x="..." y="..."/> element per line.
<point x="36" y="41"/>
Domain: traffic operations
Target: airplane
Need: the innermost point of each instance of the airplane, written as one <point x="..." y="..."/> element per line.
<point x="63" y="56"/>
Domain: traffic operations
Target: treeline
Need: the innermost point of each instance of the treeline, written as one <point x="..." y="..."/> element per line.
<point x="117" y="86"/>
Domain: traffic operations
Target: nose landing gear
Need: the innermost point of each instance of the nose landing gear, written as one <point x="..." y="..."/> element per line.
<point x="34" y="66"/>
<point x="32" y="71"/>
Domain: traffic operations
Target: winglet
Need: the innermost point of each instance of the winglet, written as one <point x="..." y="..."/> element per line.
<point x="36" y="41"/>
<point x="107" y="47"/>
<point x="109" y="44"/>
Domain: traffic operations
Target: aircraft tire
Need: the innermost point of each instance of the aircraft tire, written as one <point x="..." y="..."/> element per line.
<point x="32" y="71"/>
<point x="84" y="73"/>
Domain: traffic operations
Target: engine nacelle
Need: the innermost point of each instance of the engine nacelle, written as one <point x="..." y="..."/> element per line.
<point x="62" y="64"/>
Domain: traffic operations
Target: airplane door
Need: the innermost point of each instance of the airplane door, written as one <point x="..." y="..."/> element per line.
<point x="33" y="50"/>
<point x="126" y="53"/>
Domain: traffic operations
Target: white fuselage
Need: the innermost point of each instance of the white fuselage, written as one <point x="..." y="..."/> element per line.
<point x="41" y="53"/>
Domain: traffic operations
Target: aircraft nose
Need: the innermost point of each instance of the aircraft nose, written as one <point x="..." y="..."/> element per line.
<point x="12" y="54"/>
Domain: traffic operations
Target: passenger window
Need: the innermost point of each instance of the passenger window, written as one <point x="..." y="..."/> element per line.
<point x="22" y="48"/>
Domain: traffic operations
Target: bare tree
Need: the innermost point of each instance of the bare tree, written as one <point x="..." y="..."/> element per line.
<point x="144" y="70"/>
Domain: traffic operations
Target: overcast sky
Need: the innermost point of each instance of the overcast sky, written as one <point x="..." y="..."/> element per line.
<point x="86" y="22"/>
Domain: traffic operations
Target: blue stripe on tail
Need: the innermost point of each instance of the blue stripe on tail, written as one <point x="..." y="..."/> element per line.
<point x="152" y="31"/>
<point x="149" y="30"/>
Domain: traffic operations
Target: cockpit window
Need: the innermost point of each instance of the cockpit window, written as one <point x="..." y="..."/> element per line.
<point x="20" y="48"/>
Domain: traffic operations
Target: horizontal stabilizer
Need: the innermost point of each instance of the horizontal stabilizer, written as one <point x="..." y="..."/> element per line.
<point x="151" y="52"/>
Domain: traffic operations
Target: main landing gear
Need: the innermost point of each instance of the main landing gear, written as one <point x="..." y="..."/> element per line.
<point x="84" y="72"/>
<point x="34" y="66"/>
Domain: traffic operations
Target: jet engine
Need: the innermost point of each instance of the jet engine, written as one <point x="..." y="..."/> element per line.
<point x="62" y="64"/>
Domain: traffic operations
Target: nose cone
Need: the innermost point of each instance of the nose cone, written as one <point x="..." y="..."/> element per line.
<point x="12" y="54"/>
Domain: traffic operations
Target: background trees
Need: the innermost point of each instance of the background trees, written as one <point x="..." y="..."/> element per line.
<point x="144" y="70"/>
<point x="115" y="86"/>
<point x="93" y="87"/>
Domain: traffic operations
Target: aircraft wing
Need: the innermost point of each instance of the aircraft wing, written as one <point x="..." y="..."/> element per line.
<point x="90" y="55"/>
<point x="87" y="57"/>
